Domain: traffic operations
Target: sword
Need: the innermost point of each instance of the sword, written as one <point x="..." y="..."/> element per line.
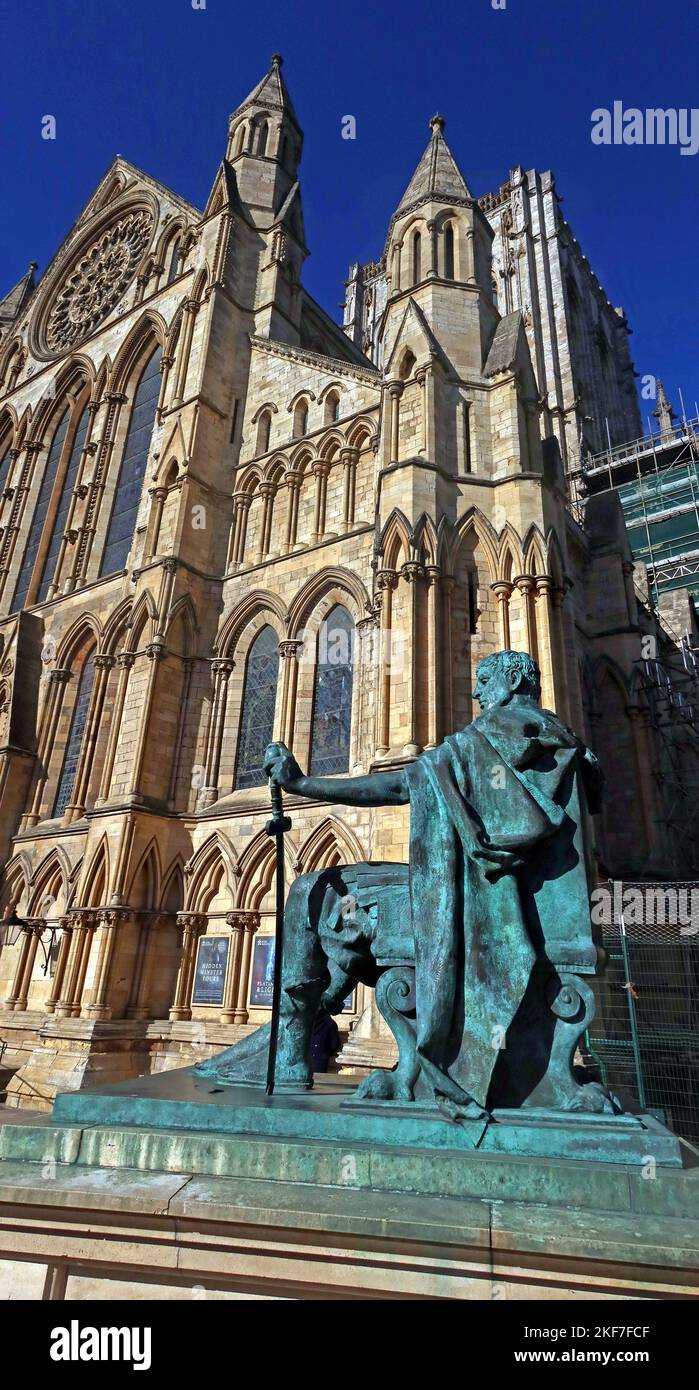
<point x="277" y="827"/>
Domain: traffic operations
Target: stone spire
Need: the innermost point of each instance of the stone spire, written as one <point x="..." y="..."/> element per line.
<point x="271" y="95"/>
<point x="437" y="176"/>
<point x="13" y="303"/>
<point x="664" y="413"/>
<point x="265" y="141"/>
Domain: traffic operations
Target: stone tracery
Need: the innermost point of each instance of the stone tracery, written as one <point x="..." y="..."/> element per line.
<point x="97" y="281"/>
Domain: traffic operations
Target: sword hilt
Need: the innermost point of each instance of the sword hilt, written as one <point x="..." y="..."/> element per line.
<point x="279" y="823"/>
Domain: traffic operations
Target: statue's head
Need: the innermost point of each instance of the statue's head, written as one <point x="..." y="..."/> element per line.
<point x="504" y="674"/>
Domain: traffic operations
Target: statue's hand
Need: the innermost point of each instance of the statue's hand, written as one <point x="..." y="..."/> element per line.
<point x="280" y="764"/>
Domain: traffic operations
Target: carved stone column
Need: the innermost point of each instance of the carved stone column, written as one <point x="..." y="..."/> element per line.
<point x="366" y="630"/>
<point x="470" y="256"/>
<point x="502" y="590"/>
<point x="184" y="348"/>
<point x="68" y="1006"/>
<point x="545" y="644"/>
<point x="414" y="573"/>
<point x="395" y="391"/>
<point x="397" y="266"/>
<point x="113" y="401"/>
<point x="124" y="662"/>
<point x="349" y="458"/>
<point x="66" y="927"/>
<point x="47" y="734"/>
<point x="386" y="582"/>
<point x="268" y="492"/>
<point x="19" y="993"/>
<point x="243" y="926"/>
<point x="103" y="665"/>
<point x="221" y="671"/>
<point x="289" y="653"/>
<point x="293" y="484"/>
<point x="241" y="505"/>
<point x="155" y="651"/>
<point x="191" y="924"/>
<point x="561" y="671"/>
<point x="109" y="922"/>
<point x="434" y="645"/>
<point x="447" y="590"/>
<point x="321" y="469"/>
<point x="433" y="270"/>
<point x="158" y="496"/>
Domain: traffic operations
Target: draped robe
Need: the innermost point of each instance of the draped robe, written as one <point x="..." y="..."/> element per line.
<point x="483" y="805"/>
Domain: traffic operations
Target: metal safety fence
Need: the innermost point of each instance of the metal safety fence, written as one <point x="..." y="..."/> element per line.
<point x="644" y="1039"/>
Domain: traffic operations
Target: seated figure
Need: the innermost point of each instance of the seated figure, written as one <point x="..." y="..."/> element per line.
<point x="478" y="946"/>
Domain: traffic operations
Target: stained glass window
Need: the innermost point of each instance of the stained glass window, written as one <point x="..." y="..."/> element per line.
<point x="332" y="701"/>
<point x="42" y="506"/>
<point x="174" y="267"/>
<point x="4" y="470"/>
<point x="75" y="738"/>
<point x="133" y="467"/>
<point x="59" y="524"/>
<point x="257" y="719"/>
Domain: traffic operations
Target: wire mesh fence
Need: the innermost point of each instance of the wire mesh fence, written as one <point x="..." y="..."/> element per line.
<point x="645" y="1036"/>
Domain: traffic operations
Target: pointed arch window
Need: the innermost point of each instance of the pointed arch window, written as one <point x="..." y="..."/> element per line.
<point x="417" y="258"/>
<point x="264" y="425"/>
<point x="262" y="138"/>
<point x="71" y="758"/>
<point x="4" y="470"/>
<point x="133" y="466"/>
<point x="70" y="478"/>
<point x="257" y="718"/>
<point x="174" y="265"/>
<point x="449" y="251"/>
<point x="332" y="696"/>
<point x="332" y="408"/>
<point x="40" y="513"/>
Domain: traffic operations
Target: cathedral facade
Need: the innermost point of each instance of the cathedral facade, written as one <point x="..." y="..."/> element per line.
<point x="225" y="518"/>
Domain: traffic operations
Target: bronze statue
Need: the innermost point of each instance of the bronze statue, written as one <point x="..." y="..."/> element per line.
<point x="478" y="947"/>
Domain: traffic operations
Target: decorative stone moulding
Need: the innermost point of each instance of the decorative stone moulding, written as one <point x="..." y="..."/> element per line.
<point x="94" y="280"/>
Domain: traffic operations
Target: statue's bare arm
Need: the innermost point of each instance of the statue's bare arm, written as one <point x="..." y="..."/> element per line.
<point x="378" y="789"/>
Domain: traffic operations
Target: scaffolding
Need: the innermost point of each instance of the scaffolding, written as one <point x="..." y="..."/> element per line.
<point x="668" y="696"/>
<point x="644" y="1039"/>
<point x="657" y="478"/>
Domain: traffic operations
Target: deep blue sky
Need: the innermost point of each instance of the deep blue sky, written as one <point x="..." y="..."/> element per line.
<point x="156" y="79"/>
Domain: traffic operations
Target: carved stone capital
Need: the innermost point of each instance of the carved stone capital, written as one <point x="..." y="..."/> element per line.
<point x="502" y="588"/>
<point x="112" y="917"/>
<point x="290" y="648"/>
<point x="222" y="667"/>
<point x="243" y="921"/>
<point x="193" y="921"/>
<point x="386" y="579"/>
<point x="412" y="571"/>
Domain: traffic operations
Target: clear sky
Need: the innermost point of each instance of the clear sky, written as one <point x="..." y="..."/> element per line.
<point x="155" y="80"/>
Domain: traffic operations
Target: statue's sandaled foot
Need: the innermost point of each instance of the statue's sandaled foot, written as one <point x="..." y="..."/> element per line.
<point x="245" y="1064"/>
<point x="591" y="1099"/>
<point x="383" y="1084"/>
